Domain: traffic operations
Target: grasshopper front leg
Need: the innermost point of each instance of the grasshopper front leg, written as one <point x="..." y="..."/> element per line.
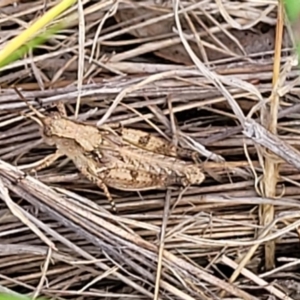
<point x="43" y="163"/>
<point x="47" y="161"/>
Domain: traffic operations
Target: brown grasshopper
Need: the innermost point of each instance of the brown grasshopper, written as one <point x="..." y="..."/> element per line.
<point x="120" y="158"/>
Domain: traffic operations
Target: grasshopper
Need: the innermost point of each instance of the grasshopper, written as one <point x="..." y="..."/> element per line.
<point x="116" y="157"/>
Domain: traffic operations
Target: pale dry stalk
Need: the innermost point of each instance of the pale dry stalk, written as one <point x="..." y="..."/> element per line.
<point x="271" y="167"/>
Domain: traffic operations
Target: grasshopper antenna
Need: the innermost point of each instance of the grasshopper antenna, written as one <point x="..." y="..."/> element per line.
<point x="39" y="114"/>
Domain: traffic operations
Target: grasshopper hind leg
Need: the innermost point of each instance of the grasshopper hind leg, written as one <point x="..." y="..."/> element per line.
<point x="190" y="154"/>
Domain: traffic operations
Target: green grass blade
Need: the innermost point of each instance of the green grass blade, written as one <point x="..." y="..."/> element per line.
<point x="4" y="296"/>
<point x="34" y="43"/>
<point x="292" y="8"/>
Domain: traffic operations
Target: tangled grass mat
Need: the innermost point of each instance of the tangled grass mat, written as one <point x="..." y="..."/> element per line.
<point x="218" y="77"/>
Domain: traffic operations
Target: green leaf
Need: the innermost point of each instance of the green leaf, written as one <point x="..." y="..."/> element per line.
<point x="292" y="8"/>
<point x="4" y="296"/>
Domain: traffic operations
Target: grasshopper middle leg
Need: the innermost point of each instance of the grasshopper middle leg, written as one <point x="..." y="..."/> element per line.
<point x="96" y="180"/>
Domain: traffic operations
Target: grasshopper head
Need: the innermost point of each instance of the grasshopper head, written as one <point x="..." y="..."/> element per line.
<point x="51" y="123"/>
<point x="45" y="122"/>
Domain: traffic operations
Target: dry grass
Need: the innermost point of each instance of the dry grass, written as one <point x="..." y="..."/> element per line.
<point x="209" y="75"/>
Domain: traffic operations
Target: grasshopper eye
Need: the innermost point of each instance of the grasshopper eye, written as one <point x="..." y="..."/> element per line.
<point x="47" y="131"/>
